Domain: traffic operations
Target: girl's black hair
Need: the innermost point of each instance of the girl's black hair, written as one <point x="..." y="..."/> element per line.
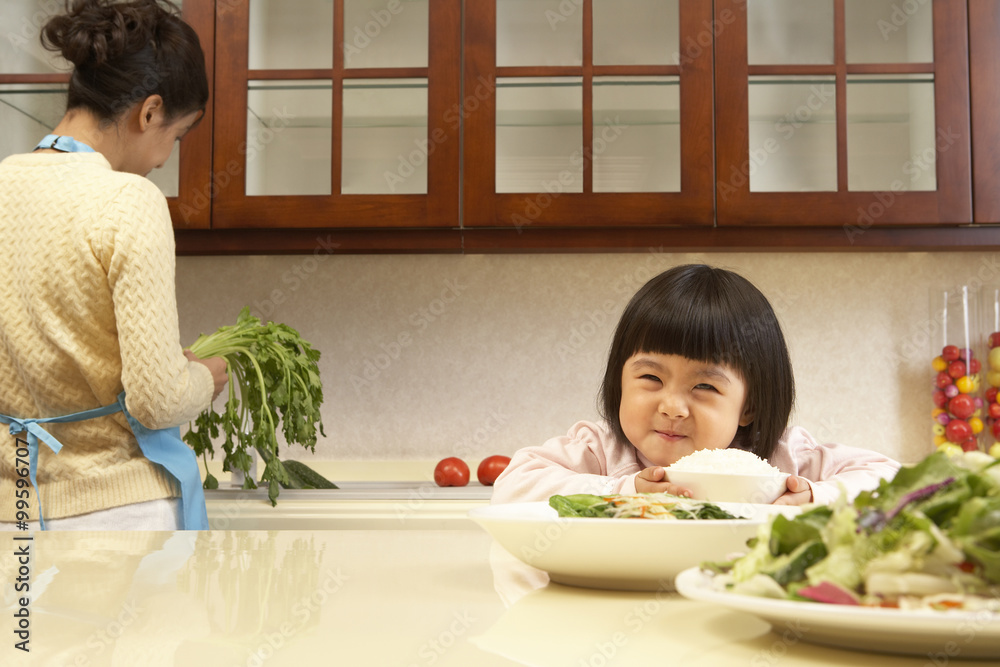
<point x="123" y="52"/>
<point x="716" y="316"/>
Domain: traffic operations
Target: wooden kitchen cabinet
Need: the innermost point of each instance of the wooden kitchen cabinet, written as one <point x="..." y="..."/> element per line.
<point x="521" y="125"/>
<point x="801" y="123"/>
<point x="852" y="113"/>
<point x="589" y="118"/>
<point x="337" y="115"/>
<point x="984" y="54"/>
<point x="33" y="84"/>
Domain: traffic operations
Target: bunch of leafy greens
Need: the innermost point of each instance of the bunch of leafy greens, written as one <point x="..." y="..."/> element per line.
<point x="273" y="379"/>
<point x="930" y="537"/>
<point x="638" y="506"/>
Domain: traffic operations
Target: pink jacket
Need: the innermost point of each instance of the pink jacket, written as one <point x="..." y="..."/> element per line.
<point x="589" y="460"/>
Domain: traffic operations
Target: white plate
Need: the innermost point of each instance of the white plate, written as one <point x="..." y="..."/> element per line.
<point x="624" y="554"/>
<point x="943" y="636"/>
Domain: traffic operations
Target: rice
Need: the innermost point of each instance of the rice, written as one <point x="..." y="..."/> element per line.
<point x="726" y="461"/>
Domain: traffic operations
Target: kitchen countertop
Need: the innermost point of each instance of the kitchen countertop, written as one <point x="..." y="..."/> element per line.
<point x="408" y="597"/>
<point x="356" y="505"/>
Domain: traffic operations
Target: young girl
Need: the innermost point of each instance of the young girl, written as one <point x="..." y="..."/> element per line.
<point x="698" y="361"/>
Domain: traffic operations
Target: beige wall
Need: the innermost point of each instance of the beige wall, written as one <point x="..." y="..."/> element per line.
<point x="428" y="356"/>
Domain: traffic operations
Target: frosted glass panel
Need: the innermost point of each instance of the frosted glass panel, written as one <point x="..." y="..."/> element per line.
<point x="27" y="113"/>
<point x="167" y="177"/>
<point x="636" y="32"/>
<point x="21" y="51"/>
<point x="539" y="32"/>
<point x="889" y="31"/>
<point x="288" y="137"/>
<point x="636" y="142"/>
<point x="539" y="131"/>
<point x="891" y="134"/>
<point x="385" y="137"/>
<point x="291" y="34"/>
<point x="793" y="136"/>
<point x="381" y="33"/>
<point x="783" y="32"/>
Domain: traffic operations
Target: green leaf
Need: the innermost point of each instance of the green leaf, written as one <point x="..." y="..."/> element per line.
<point x="274" y="383"/>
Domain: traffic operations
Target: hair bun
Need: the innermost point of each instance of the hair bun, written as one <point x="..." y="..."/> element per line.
<point x="95" y="32"/>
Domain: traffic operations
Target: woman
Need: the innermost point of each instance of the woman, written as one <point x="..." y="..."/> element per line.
<point x="88" y="316"/>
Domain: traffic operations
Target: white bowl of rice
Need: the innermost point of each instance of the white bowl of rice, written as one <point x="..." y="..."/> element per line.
<point x="728" y="475"/>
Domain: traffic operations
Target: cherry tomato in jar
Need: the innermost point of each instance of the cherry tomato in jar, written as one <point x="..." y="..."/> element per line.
<point x="490" y="469"/>
<point x="962" y="406"/>
<point x="451" y="471"/>
<point x="956" y="369"/>
<point x="950" y="352"/>
<point x="958" y="430"/>
<point x="942" y="380"/>
<point x="940" y="398"/>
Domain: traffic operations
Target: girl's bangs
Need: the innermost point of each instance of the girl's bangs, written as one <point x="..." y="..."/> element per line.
<point x="700" y="332"/>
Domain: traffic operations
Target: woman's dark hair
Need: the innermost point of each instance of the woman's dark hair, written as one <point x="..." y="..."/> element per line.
<point x="123" y="52"/>
<point x="715" y="316"/>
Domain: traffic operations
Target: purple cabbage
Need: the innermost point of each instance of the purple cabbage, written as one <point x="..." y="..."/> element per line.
<point x="872" y="519"/>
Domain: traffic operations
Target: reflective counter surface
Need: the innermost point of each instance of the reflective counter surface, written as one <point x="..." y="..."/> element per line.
<point x="408" y="597"/>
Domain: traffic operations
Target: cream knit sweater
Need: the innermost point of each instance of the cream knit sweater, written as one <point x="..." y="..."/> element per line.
<point x="87" y="309"/>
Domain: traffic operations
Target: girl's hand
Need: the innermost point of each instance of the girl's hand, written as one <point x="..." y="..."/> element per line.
<point x="798" y="492"/>
<point x="653" y="480"/>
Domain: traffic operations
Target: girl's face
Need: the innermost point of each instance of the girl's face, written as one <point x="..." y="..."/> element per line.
<point x="672" y="406"/>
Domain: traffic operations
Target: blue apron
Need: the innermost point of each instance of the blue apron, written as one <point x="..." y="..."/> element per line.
<point x="161" y="446"/>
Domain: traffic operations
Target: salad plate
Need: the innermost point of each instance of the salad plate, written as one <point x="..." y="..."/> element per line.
<point x="621" y="554"/>
<point x="938" y="635"/>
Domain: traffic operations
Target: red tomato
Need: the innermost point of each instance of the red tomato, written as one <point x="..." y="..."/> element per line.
<point x="940" y="399"/>
<point x="962" y="406"/>
<point x="451" y="471"/>
<point x="950" y="352"/>
<point x="490" y="469"/>
<point x="958" y="430"/>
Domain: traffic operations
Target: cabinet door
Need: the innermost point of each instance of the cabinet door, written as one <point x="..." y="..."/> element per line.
<point x="591" y="113"/>
<point x="33" y="84"/>
<point x="842" y="112"/>
<point x="337" y="114"/>
<point x="984" y="53"/>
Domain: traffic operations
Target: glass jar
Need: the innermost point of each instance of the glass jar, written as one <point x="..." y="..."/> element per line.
<point x="990" y="311"/>
<point x="958" y="403"/>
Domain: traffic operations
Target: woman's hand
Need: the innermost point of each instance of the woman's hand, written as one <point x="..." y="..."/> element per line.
<point x="217" y="366"/>
<point x="654" y="480"/>
<point x="798" y="493"/>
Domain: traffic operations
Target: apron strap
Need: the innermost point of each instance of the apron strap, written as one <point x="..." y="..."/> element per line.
<point x="161" y="446"/>
<point x="36" y="433"/>
<point x="165" y="447"/>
